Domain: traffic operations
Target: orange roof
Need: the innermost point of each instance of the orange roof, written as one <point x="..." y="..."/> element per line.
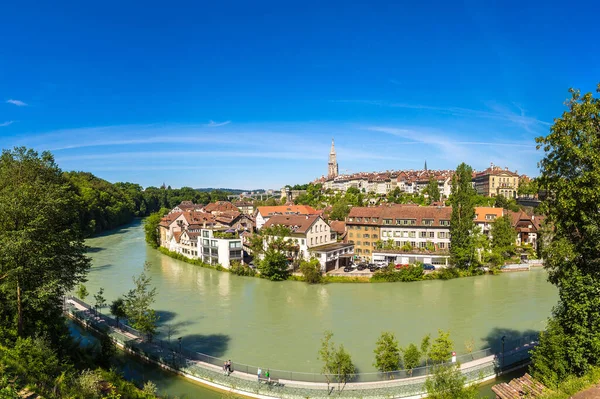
<point x="338" y="227"/>
<point x="482" y="211"/>
<point x="220" y="206"/>
<point x="287" y="210"/>
<point x="297" y="223"/>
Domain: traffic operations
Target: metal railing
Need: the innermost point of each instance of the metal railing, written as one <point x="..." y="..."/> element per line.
<point x="173" y="354"/>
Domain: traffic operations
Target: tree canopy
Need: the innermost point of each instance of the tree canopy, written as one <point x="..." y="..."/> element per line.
<point x="462" y="223"/>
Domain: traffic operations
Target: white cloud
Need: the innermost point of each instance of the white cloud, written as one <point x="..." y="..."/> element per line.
<point x="217" y="124"/>
<point x="7" y="123"/>
<point x="18" y="103"/>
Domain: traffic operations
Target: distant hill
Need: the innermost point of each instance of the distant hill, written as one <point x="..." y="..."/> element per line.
<point x="234" y="191"/>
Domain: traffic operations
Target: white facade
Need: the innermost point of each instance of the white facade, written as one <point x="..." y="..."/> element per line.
<point x="219" y="250"/>
<point x="417" y="236"/>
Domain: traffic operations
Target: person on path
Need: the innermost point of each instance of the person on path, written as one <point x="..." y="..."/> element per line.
<point x="229" y="366"/>
<point x="259" y="373"/>
<point x="225" y="368"/>
<point x="268" y="376"/>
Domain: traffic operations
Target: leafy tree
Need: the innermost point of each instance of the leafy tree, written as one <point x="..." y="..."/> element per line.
<point x="412" y="357"/>
<point x="340" y="210"/>
<point x="425" y="344"/>
<point x="570" y="173"/>
<point x="387" y="353"/>
<point x="432" y="190"/>
<point x="273" y="266"/>
<point x="326" y="354"/>
<point x="337" y="363"/>
<point x="342" y="363"/>
<point x="81" y="292"/>
<point x="138" y="303"/>
<point x="506" y="203"/>
<point x="151" y="227"/>
<point x="470" y="346"/>
<point x="311" y="270"/>
<point x="33" y="360"/>
<point x="118" y="309"/>
<point x="528" y="187"/>
<point x="503" y="235"/>
<point x="441" y="348"/>
<point x="42" y="254"/>
<point x="447" y="382"/>
<point x="99" y="299"/>
<point x="462" y="199"/>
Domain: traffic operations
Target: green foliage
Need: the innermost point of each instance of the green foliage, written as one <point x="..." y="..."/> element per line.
<point x="503" y="236"/>
<point x="387" y="353"/>
<point x="337" y="363"/>
<point x="42" y="254"/>
<point x="151" y="227"/>
<point x="412" y="357"/>
<point x="118" y="309"/>
<point x="224" y="235"/>
<point x="340" y="210"/>
<point x="441" y="348"/>
<point x="571" y="176"/>
<point x="241" y="270"/>
<point x="138" y="303"/>
<point x="462" y="225"/>
<point x="425" y="344"/>
<point x="506" y="203"/>
<point x="81" y="292"/>
<point x="571" y="385"/>
<point x="99" y="300"/>
<point x="447" y="382"/>
<point x="447" y="273"/>
<point x="273" y="266"/>
<point x="432" y="190"/>
<point x="528" y="187"/>
<point x="311" y="270"/>
<point x="390" y="274"/>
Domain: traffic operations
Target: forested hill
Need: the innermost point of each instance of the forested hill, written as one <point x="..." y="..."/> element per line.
<point x="104" y="205"/>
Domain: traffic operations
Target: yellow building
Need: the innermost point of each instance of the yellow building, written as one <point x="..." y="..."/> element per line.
<point x="496" y="181"/>
<point x="362" y="226"/>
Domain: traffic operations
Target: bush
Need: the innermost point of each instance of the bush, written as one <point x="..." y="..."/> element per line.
<point x="311" y="270"/>
<point x="390" y="274"/>
<point x="448" y="273"/>
<point x="241" y="270"/>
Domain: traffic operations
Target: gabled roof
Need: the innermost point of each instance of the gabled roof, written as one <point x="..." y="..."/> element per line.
<point x="177" y="235"/>
<point x="220" y="206"/>
<point x="296" y="223"/>
<point x="482" y="211"/>
<point x="286" y="210"/>
<point x="338" y="226"/>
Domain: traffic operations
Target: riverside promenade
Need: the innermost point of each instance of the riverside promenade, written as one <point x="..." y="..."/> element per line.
<point x="207" y="370"/>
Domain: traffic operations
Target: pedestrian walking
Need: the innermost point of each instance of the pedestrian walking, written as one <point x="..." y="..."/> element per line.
<point x="259" y="373"/>
<point x="268" y="376"/>
<point x="225" y="368"/>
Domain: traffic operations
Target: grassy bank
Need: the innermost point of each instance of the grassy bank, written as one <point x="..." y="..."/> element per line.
<point x="573" y="385"/>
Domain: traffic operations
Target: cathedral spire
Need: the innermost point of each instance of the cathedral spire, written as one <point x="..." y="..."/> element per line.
<point x="332" y="166"/>
<point x="425" y="165"/>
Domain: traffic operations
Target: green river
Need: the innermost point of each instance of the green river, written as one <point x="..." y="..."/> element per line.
<point x="279" y="325"/>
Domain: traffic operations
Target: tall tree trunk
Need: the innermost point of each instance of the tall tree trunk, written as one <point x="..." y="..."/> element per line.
<point x="19" y="310"/>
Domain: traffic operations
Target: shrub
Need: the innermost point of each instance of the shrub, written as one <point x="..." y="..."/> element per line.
<point x="390" y="274"/>
<point x="241" y="270"/>
<point x="311" y="270"/>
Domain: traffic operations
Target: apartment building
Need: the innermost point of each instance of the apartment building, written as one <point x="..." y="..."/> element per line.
<point x="217" y="246"/>
<point x="263" y="213"/>
<point x="362" y="226"/>
<point x="496" y="181"/>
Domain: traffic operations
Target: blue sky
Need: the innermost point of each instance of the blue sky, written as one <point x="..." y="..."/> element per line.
<point x="249" y="94"/>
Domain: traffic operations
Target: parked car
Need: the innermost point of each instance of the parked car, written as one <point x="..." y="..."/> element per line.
<point x="361" y="266"/>
<point x="372" y="267"/>
<point x="348" y="269"/>
<point x="402" y="266"/>
<point x="428" y="266"/>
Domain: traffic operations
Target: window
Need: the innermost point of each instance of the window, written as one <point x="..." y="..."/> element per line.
<point x="423" y="234"/>
<point x="235" y="244"/>
<point x="365" y="235"/>
<point x="490" y="217"/>
<point x="351" y="242"/>
<point x="359" y="219"/>
<point x="374" y="220"/>
<point x="366" y="228"/>
<point x="311" y="241"/>
<point x="422" y="244"/>
<point x="441" y="245"/>
<point x="367" y="251"/>
<point x="357" y="242"/>
<point x="358" y="235"/>
<point x="205" y="243"/>
<point x="351" y="219"/>
<point x="321" y="239"/>
<point x="387" y="221"/>
<point x="374" y="236"/>
<point x="398" y="221"/>
<point x="235" y="254"/>
<point x="442" y="234"/>
<point x="432" y="234"/>
<point x="427" y="222"/>
<point x="444" y="223"/>
<point x="412" y="234"/>
<point x="205" y="233"/>
<point x="351" y="235"/>
<point x="302" y="241"/>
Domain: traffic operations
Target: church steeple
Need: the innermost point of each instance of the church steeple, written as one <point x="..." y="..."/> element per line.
<point x="332" y="165"/>
<point x="425" y="165"/>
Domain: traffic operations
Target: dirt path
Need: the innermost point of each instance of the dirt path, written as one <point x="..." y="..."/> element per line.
<point x="592" y="393"/>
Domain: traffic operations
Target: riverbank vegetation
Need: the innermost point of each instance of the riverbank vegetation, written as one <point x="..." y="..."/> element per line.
<point x="42" y="257"/>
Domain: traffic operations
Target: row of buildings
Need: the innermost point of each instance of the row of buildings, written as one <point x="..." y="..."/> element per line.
<point x="220" y="233"/>
<point x="490" y="182"/>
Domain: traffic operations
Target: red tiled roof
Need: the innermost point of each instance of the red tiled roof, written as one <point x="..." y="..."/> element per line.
<point x="380" y="213"/>
<point x="482" y="211"/>
<point x="287" y="210"/>
<point x="220" y="206"/>
<point x="338" y="226"/>
<point x="297" y="223"/>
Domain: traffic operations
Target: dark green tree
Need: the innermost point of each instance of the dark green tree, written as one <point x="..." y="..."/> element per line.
<point x="387" y="353"/>
<point x="42" y="254"/>
<point x="570" y="174"/>
<point x="441" y="348"/>
<point x="412" y="357"/>
<point x="99" y="299"/>
<point x="274" y="265"/>
<point x="447" y="382"/>
<point x="432" y="190"/>
<point x="462" y="223"/>
<point x="340" y="210"/>
<point x="503" y="235"/>
<point x="82" y="292"/>
<point x="337" y="362"/>
<point x="118" y="309"/>
<point x="151" y="227"/>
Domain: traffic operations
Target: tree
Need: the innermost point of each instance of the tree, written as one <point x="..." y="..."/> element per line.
<point x="273" y="266"/>
<point x="387" y="353"/>
<point x="470" y="346"/>
<point x="503" y="235"/>
<point x="412" y="357"/>
<point x="432" y="190"/>
<point x="118" y="309"/>
<point x="137" y="305"/>
<point x="340" y="210"/>
<point x="311" y="270"/>
<point x="337" y="363"/>
<point x="99" y="299"/>
<point x="81" y="292"/>
<point x="42" y="253"/>
<point x="447" y="382"/>
<point x="425" y="344"/>
<point x="462" y="198"/>
<point x="151" y="227"/>
<point x="441" y="348"/>
<point x="570" y="174"/>
<point x="506" y="203"/>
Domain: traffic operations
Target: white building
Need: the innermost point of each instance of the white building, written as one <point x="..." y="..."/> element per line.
<point x="219" y="247"/>
<point x="263" y="213"/>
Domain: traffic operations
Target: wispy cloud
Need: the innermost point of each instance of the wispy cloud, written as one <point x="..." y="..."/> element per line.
<point x="217" y="124"/>
<point x="18" y="103"/>
<point x="395" y="82"/>
<point x="497" y="112"/>
<point x="7" y="123"/>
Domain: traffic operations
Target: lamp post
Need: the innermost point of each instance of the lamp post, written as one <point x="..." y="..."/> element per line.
<point x="180" y="359"/>
<point x="503" y="338"/>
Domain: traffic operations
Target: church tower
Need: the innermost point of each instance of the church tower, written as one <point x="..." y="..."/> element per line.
<point x="332" y="165"/>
